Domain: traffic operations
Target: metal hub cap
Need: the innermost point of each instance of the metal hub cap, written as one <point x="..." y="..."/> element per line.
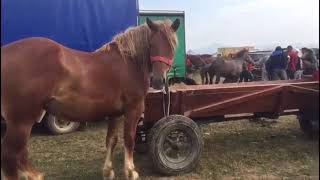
<point x="176" y="146"/>
<point x="61" y="123"/>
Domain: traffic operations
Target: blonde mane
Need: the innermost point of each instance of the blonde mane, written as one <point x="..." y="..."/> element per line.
<point x="134" y="43"/>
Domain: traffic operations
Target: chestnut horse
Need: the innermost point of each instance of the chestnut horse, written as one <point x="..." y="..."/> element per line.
<point x="39" y="75"/>
<point x="230" y="69"/>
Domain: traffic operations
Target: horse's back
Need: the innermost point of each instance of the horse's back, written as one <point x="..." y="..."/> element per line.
<point x="29" y="55"/>
<point x="31" y="48"/>
<point x="28" y="66"/>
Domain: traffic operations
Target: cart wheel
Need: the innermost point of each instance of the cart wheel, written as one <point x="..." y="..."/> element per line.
<point x="60" y="126"/>
<point x="309" y="123"/>
<point x="175" y="145"/>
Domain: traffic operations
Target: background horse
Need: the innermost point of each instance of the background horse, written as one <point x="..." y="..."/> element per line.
<point x="230" y="69"/>
<point x="201" y="62"/>
<point x="39" y="75"/>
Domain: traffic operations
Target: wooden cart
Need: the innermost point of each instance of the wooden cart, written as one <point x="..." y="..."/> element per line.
<point x="174" y="141"/>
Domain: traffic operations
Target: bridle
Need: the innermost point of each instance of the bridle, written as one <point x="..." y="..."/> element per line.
<point x="166" y="60"/>
<point x="165" y="91"/>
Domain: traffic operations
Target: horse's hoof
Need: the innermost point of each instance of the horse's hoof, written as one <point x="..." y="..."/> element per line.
<point x="108" y="174"/>
<point x="36" y="176"/>
<point x="40" y="177"/>
<point x="132" y="175"/>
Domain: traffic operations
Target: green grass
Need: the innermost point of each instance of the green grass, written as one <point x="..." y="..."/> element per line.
<point x="232" y="150"/>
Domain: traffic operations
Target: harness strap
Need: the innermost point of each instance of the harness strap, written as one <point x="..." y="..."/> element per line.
<point x="168" y="61"/>
<point x="166" y="100"/>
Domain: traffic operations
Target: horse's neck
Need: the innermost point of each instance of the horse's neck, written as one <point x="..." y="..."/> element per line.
<point x="111" y="53"/>
<point x="141" y="72"/>
<point x="239" y="60"/>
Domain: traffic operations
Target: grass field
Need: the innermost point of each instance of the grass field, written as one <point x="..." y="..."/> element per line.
<point x="232" y="150"/>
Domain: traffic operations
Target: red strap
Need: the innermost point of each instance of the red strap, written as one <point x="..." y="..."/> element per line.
<point x="168" y="61"/>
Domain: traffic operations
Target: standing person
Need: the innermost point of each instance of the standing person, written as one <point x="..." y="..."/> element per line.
<point x="262" y="63"/>
<point x="299" y="69"/>
<point x="310" y="64"/>
<point x="293" y="60"/>
<point x="246" y="74"/>
<point x="250" y="69"/>
<point x="277" y="64"/>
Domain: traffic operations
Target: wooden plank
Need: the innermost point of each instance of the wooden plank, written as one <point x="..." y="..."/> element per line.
<point x="300" y="94"/>
<point x="237" y="100"/>
<point x="282" y="99"/>
<point x="304" y="90"/>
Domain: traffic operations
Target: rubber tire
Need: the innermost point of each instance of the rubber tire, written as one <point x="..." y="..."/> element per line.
<point x="55" y="130"/>
<point x="159" y="131"/>
<point x="309" y="123"/>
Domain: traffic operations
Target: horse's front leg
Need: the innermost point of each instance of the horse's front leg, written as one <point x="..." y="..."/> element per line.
<point x="111" y="141"/>
<point x="217" y="78"/>
<point x="132" y="116"/>
<point x="202" y="77"/>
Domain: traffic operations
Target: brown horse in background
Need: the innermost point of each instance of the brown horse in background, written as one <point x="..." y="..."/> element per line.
<point x="230" y="69"/>
<point x="201" y="62"/>
<point x="39" y="75"/>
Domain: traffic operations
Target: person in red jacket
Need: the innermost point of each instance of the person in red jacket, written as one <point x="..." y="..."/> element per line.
<point x="246" y="74"/>
<point x="293" y="60"/>
<point x="250" y="67"/>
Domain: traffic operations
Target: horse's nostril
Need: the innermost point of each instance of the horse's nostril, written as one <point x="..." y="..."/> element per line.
<point x="157" y="83"/>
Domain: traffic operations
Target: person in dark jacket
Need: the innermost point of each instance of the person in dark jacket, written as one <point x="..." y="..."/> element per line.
<point x="310" y="64"/>
<point x="277" y="64"/>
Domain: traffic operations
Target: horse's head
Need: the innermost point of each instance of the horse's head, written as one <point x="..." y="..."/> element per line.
<point x="244" y="56"/>
<point x="247" y="58"/>
<point x="163" y="41"/>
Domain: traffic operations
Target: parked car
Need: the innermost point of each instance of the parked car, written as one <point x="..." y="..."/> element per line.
<point x="54" y="124"/>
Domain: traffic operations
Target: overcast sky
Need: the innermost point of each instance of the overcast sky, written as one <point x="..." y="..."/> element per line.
<point x="245" y="22"/>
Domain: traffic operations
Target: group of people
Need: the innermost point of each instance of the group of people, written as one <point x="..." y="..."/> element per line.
<point x="284" y="64"/>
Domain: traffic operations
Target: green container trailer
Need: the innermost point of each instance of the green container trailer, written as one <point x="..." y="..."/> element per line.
<point x="178" y="71"/>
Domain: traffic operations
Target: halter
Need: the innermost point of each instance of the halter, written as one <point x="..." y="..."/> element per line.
<point x="165" y="91"/>
<point x="168" y="61"/>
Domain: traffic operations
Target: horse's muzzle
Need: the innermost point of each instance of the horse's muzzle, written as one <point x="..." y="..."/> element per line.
<point x="158" y="83"/>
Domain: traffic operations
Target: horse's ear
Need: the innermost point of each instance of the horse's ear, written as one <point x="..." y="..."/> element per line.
<point x="175" y="25"/>
<point x="152" y="25"/>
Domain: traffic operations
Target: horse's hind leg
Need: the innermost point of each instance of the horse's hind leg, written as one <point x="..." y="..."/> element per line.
<point x="132" y="116"/>
<point x="226" y="80"/>
<point x="211" y="76"/>
<point x="14" y="154"/>
<point x="217" y="78"/>
<point x="111" y="141"/>
<point x="206" y="76"/>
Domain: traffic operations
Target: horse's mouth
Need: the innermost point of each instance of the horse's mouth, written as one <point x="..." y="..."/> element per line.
<point x="158" y="83"/>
